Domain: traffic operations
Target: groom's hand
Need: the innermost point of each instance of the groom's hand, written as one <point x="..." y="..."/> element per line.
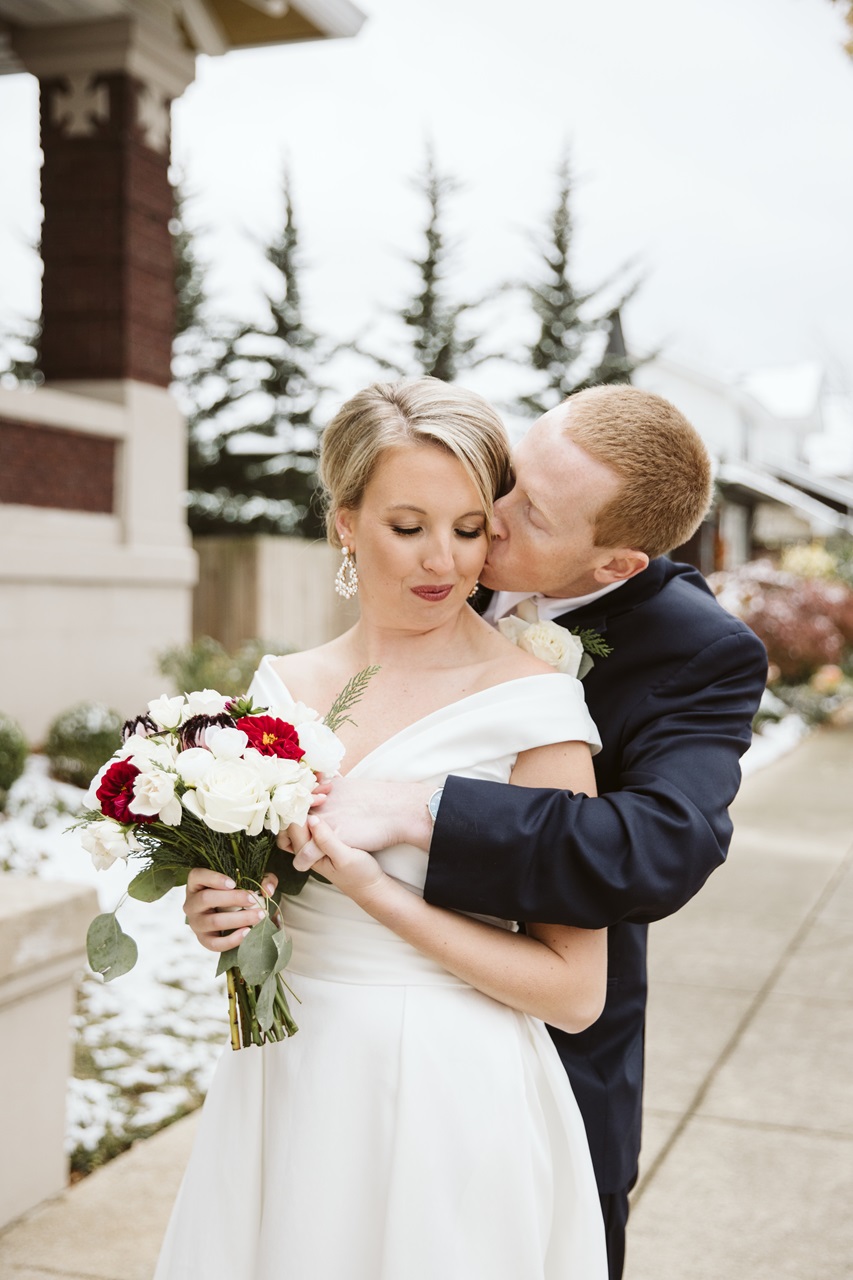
<point x="371" y="814"/>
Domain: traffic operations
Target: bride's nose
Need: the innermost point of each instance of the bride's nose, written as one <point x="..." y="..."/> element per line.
<point x="439" y="556"/>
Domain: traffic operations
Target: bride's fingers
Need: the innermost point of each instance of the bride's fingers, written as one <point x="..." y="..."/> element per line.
<point x="307" y="856"/>
<point x="330" y="845"/>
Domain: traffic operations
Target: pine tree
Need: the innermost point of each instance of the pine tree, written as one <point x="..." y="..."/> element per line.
<point x="252" y="398"/>
<point x="574" y="348"/>
<point x="438" y="343"/>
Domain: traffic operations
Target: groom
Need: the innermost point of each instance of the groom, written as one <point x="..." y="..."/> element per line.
<point x="605" y="485"/>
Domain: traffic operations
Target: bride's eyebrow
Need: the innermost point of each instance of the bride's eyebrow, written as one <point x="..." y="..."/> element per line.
<point x="408" y="506"/>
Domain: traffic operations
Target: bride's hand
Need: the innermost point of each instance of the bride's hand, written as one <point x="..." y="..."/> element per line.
<point x="354" y="871"/>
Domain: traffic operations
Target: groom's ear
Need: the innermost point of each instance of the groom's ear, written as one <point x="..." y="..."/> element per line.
<point x="623" y="564"/>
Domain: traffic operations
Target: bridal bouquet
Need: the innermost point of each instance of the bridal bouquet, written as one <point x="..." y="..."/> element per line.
<point x="209" y="780"/>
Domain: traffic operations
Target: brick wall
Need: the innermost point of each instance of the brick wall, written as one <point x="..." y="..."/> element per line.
<point x="53" y="467"/>
<point x="108" y="291"/>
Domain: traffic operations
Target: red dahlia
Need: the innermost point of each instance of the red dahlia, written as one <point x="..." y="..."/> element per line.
<point x="116" y="793"/>
<point x="271" y="737"/>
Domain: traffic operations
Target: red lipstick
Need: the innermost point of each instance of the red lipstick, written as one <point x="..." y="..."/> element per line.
<point x="433" y="593"/>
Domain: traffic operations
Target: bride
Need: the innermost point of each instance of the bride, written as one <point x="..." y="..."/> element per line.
<point x="420" y="1126"/>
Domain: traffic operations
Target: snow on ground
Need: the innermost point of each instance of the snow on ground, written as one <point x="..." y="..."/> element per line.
<point x="146" y="1044"/>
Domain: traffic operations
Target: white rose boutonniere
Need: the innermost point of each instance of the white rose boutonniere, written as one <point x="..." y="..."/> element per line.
<point x="563" y="649"/>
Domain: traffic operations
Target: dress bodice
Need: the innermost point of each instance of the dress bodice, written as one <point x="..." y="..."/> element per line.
<point x="478" y="736"/>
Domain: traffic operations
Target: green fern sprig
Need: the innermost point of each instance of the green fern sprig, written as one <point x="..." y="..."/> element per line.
<point x="352" y="692"/>
<point x="593" y="642"/>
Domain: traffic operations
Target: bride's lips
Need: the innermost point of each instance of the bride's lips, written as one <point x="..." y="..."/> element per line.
<point x="433" y="593"/>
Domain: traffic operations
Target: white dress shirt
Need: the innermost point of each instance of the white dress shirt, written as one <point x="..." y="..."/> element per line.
<point x="503" y="603"/>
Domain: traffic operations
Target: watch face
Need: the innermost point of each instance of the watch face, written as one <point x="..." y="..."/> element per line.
<point x="433" y="803"/>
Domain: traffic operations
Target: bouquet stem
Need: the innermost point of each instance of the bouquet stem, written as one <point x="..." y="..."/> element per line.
<point x="232" y="1009"/>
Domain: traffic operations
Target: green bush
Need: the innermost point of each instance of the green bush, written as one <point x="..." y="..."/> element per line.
<point x="80" y="740"/>
<point x="13" y="755"/>
<point x="205" y="664"/>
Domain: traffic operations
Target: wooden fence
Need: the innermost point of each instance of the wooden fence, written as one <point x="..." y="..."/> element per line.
<point x="271" y="588"/>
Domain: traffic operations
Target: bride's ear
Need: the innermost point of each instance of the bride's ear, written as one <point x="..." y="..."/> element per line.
<point x="344" y="527"/>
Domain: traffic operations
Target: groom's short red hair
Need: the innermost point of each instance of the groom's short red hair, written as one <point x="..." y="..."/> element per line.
<point x="661" y="459"/>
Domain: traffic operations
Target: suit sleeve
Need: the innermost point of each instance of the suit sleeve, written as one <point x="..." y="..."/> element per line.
<point x="637" y="853"/>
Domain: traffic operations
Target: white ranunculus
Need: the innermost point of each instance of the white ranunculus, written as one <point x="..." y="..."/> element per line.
<point x="299" y="713"/>
<point x="230" y="797"/>
<point x="291" y="799"/>
<point x="545" y="640"/>
<point x="166" y="712"/>
<point x="323" y="748"/>
<point x="193" y="764"/>
<point x="154" y="796"/>
<point x="226" y="744"/>
<point x="207" y="702"/>
<point x="106" y="841"/>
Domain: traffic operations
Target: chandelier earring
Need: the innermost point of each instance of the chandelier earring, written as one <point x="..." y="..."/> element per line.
<point x="346" y="579"/>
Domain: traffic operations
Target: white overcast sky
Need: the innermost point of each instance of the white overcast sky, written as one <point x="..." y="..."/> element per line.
<point x="712" y="142"/>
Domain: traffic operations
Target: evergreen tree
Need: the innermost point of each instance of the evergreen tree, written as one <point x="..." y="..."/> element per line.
<point x="438" y="343"/>
<point x="251" y="398"/>
<point x="20" y="355"/>
<point x="574" y="348"/>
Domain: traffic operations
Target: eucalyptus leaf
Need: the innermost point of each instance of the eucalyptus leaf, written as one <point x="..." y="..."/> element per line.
<point x="110" y="950"/>
<point x="284" y="946"/>
<point x="257" y="954"/>
<point x="265" y="1006"/>
<point x="227" y="960"/>
<point x="154" y="882"/>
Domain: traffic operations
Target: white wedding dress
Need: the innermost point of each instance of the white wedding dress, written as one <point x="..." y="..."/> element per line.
<point x="414" y="1128"/>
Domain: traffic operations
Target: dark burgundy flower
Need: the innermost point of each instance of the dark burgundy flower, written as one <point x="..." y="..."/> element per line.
<point x="141" y="726"/>
<point x="116" y="792"/>
<point x="272" y="737"/>
<point x="191" y="732"/>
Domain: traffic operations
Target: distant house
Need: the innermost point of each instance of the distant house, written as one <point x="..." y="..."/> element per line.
<point x="783" y="448"/>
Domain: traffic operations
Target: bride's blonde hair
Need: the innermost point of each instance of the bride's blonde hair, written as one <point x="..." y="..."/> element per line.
<point x="423" y="411"/>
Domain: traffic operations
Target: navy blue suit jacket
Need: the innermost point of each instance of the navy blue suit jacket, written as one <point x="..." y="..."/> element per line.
<point x="674" y="703"/>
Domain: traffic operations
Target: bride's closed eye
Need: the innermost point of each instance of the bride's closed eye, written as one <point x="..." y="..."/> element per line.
<point x="406" y="531"/>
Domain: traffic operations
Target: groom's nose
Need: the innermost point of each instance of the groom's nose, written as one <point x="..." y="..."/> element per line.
<point x="499" y="525"/>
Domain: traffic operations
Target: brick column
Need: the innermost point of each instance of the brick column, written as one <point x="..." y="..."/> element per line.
<point x="108" y="290"/>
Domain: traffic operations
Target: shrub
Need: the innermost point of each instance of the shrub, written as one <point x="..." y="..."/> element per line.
<point x="13" y="755"/>
<point x="80" y="740"/>
<point x="205" y="664"/>
<point x="805" y="623"/>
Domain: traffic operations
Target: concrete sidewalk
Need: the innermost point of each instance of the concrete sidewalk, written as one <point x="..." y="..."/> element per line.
<point x="747" y="1168"/>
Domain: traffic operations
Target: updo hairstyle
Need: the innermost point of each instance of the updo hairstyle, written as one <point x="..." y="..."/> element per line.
<point x="426" y="411"/>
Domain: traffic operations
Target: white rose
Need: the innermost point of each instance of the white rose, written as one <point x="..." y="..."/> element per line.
<point x="193" y="764"/>
<point x="291" y="799"/>
<point x="154" y="796"/>
<point x="106" y="841"/>
<point x="147" y="752"/>
<point x="226" y="744"/>
<point x="546" y="640"/>
<point x="166" y="712"/>
<point x="230" y="797"/>
<point x="206" y="702"/>
<point x="323" y="748"/>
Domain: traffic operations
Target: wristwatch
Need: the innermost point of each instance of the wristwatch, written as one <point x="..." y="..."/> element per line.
<point x="433" y="803"/>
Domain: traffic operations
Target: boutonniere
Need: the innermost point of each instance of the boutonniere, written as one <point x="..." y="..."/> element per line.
<point x="594" y="646"/>
<point x="571" y="652"/>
